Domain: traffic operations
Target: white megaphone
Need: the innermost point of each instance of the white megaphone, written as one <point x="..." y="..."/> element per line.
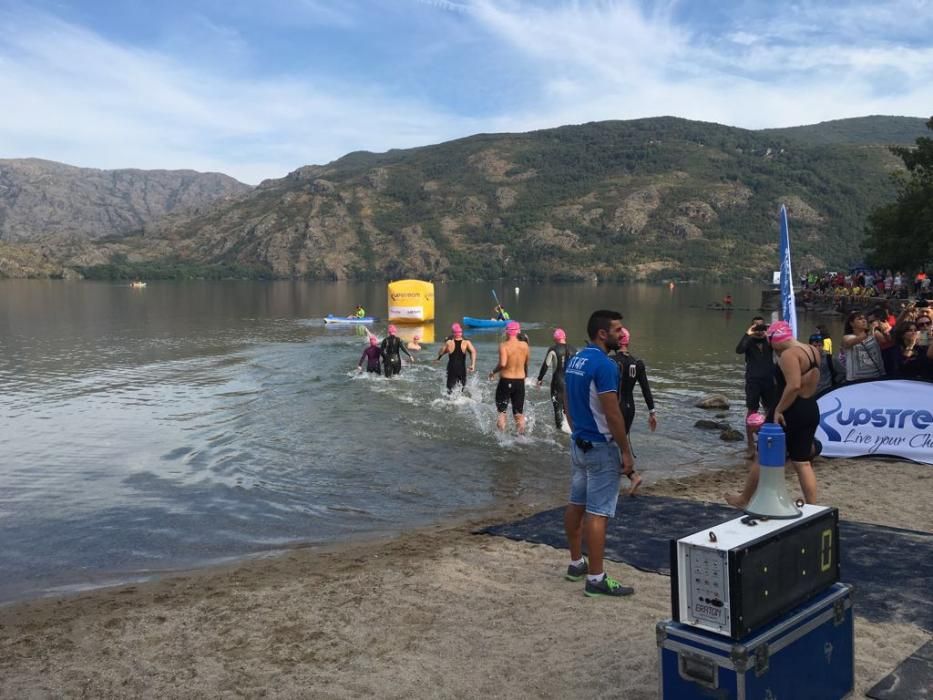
<point x="771" y="499"/>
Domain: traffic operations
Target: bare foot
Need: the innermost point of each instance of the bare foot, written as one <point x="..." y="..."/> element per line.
<point x="735" y="501"/>
<point x="635" y="479"/>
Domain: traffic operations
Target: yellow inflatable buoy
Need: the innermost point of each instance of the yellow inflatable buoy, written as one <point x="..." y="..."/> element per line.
<point x="411" y="301"/>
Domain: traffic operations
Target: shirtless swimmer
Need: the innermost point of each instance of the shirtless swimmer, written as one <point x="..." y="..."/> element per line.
<point x="512" y="370"/>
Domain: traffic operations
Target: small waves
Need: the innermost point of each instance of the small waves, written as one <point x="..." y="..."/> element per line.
<point x="127" y="453"/>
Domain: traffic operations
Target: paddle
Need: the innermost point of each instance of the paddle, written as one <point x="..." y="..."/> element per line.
<point x="498" y="305"/>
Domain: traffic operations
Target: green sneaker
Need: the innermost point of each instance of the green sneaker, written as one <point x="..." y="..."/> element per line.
<point x="575" y="573"/>
<point x="608" y="586"/>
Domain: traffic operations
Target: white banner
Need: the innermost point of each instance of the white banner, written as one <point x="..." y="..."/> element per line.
<point x="409" y="313"/>
<point x="885" y="417"/>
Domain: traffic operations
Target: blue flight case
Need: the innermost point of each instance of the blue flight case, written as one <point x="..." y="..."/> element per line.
<point x="808" y="653"/>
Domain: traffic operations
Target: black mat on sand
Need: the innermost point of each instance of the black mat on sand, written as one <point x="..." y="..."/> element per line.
<point x="891" y="568"/>
<point x="912" y="680"/>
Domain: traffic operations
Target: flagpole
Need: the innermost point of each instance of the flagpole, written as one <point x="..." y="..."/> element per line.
<point x="788" y="303"/>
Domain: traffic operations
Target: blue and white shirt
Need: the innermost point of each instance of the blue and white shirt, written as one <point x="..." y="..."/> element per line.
<point x="588" y="374"/>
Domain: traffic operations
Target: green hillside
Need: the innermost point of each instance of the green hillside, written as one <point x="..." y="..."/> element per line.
<point x="876" y="130"/>
<point x="643" y="199"/>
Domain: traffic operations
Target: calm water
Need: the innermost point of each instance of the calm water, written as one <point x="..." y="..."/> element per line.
<point x="146" y="430"/>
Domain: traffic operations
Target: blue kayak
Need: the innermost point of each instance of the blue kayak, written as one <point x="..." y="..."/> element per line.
<point x="471" y="322"/>
<point x="344" y="320"/>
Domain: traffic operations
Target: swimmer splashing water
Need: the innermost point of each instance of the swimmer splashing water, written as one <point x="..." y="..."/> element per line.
<point x="512" y="369"/>
<point x="457" y="348"/>
<point x="391" y="347"/>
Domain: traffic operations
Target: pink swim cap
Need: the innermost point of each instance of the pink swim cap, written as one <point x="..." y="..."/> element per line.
<point x="393" y="330"/>
<point x="559" y="334"/>
<point x="513" y="328"/>
<point x="416" y="338"/>
<point x="754" y="420"/>
<point x="779" y="331"/>
<point x="624" y="336"/>
<point x="457" y="329"/>
<point x="373" y="340"/>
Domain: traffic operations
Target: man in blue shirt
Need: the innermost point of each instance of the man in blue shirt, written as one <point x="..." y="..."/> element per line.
<point x="599" y="448"/>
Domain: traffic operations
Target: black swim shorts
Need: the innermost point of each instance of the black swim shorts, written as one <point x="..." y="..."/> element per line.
<point x="510" y="391"/>
<point x="801" y="421"/>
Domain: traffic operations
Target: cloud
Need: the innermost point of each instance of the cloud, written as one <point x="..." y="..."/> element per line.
<point x="78" y="98"/>
<point x="762" y="70"/>
<point x="457" y="7"/>
<point x="217" y="98"/>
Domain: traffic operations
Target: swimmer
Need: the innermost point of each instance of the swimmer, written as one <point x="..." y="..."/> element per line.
<point x="797" y="375"/>
<point x="391" y="359"/>
<point x="373" y="356"/>
<point x="632" y="371"/>
<point x="556" y="358"/>
<point x="512" y="369"/>
<point x="457" y="348"/>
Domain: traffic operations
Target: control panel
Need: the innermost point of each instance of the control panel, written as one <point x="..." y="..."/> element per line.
<point x="708" y="600"/>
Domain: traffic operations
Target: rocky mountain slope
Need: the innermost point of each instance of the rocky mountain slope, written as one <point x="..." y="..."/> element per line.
<point x="44" y="200"/>
<point x="643" y="199"/>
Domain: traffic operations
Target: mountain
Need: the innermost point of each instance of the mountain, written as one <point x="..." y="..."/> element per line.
<point x="41" y="200"/>
<point x="877" y="130"/>
<point x="643" y="199"/>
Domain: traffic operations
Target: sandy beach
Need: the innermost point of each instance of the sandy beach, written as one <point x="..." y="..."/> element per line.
<point x="438" y="612"/>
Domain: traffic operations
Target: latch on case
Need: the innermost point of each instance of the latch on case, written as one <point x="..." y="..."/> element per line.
<point x="839" y="612"/>
<point x="762" y="656"/>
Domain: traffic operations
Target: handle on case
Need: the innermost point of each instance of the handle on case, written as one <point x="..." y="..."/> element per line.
<point x="698" y="669"/>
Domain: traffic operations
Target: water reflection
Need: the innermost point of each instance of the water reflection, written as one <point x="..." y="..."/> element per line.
<point x="153" y="428"/>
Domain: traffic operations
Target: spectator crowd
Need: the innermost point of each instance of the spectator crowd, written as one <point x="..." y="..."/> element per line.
<point x="875" y="344"/>
<point x="866" y="284"/>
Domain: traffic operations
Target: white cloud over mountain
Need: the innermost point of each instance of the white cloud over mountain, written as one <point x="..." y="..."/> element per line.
<point x="255" y="96"/>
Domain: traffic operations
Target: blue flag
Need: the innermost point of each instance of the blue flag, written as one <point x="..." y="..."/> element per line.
<point x="788" y="305"/>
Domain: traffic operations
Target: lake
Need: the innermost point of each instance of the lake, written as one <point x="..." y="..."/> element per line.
<point x="190" y="423"/>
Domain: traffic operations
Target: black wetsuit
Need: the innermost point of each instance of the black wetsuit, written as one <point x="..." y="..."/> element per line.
<point x="391" y="360"/>
<point x="560" y="352"/>
<point x="759" y="372"/>
<point x="631" y="372"/>
<point x="801" y="418"/>
<point x="456" y="367"/>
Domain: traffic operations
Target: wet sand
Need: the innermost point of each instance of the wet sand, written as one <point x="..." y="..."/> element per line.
<point x="437" y="612"/>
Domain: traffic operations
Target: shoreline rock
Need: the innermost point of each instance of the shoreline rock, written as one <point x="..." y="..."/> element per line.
<point x="713" y="401"/>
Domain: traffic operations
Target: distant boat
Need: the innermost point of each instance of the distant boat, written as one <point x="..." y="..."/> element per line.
<point x="330" y="319"/>
<point x="138" y="285"/>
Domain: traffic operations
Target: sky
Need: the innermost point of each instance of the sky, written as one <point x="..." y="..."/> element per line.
<point x="257" y="89"/>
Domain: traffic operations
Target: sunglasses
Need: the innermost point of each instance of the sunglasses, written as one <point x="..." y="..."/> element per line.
<point x="924" y="325"/>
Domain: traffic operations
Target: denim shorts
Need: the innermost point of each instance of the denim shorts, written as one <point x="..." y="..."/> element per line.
<point x="595" y="477"/>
